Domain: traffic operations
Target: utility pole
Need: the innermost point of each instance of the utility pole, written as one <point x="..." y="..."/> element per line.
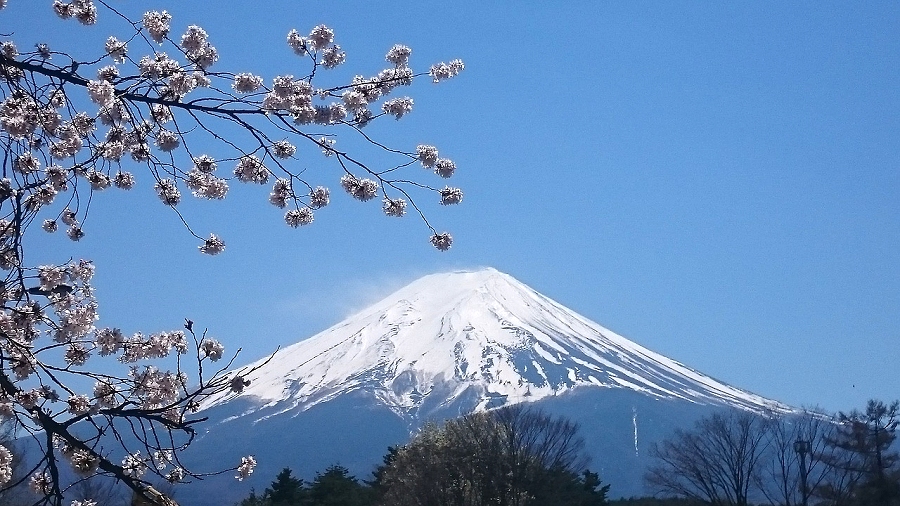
<point x="802" y="447"/>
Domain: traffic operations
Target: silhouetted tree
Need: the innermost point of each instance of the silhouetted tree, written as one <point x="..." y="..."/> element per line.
<point x="717" y="462"/>
<point x="864" y="468"/>
<point x="336" y="487"/>
<point x="782" y="477"/>
<point x="285" y="490"/>
<point x="513" y="456"/>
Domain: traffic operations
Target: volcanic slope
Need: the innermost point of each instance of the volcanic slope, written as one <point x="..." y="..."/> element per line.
<point x="471" y="340"/>
<point x="447" y="345"/>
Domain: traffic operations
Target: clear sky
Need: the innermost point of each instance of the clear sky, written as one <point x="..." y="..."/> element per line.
<point x="717" y="181"/>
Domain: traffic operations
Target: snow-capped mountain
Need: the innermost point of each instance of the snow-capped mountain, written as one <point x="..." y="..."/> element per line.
<point x="444" y="346"/>
<point x="471" y="340"/>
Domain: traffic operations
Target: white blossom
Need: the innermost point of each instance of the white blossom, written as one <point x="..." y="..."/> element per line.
<point x="8" y="49"/>
<point x="319" y="197"/>
<point x="321" y="36"/>
<point x="40" y="483"/>
<point x="194" y="38"/>
<point x="444" y="167"/>
<point x="450" y="196"/>
<point x="442" y="241"/>
<point x="79" y="404"/>
<point x="394" y="207"/>
<point x="354" y="100"/>
<point x="160" y="65"/>
<point x="205" y="163"/>
<point x="427" y="155"/>
<point x="246" y="83"/>
<point x="299" y="217"/>
<point x="167" y="141"/>
<point x="161" y="114"/>
<point x="283" y="149"/>
<point x="101" y="91"/>
<point x="85" y="11"/>
<point x="248" y="464"/>
<point x="116" y="49"/>
<point x="108" y="73"/>
<point x="250" y="169"/>
<point x="98" y="180"/>
<point x="213" y="245"/>
<point x="442" y="71"/>
<point x="398" y="55"/>
<point x="124" y="180"/>
<point x="105" y="394"/>
<point x="333" y="56"/>
<point x="133" y="465"/>
<point x="75" y="233"/>
<point x="281" y="192"/>
<point x="62" y="9"/>
<point x="205" y="185"/>
<point x="327" y="145"/>
<point x="68" y="217"/>
<point x="361" y="189"/>
<point x="397" y="107"/>
<point x="297" y="42"/>
<point x="212" y="348"/>
<point x="238" y="383"/>
<point x="162" y="458"/>
<point x="204" y="57"/>
<point x="77" y="354"/>
<point x="175" y="475"/>
<point x="157" y="24"/>
<point x="167" y="192"/>
<point x="50" y="226"/>
<point x="181" y="83"/>
<point x="6" y="459"/>
<point x="27" y="163"/>
<point x="84" y="463"/>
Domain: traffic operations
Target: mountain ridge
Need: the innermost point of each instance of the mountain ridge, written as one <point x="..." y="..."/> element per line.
<point x="480" y="339"/>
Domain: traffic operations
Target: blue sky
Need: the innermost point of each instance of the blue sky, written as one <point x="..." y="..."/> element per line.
<point x="716" y="181"/>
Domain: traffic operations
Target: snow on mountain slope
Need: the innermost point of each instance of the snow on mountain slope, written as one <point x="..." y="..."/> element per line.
<point x="480" y="339"/>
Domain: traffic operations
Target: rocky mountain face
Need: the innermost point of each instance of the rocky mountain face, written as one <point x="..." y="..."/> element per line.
<point x="443" y="346"/>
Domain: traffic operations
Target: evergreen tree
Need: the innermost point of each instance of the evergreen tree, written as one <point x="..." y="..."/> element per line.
<point x="285" y="490"/>
<point x="336" y="487"/>
<point x="377" y="484"/>
<point x="253" y="500"/>
<point x="865" y="468"/>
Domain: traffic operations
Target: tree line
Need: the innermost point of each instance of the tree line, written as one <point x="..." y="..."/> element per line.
<point x="513" y="456"/>
<point x="740" y="458"/>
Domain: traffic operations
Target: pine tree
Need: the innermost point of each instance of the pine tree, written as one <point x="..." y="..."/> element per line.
<point x="285" y="490"/>
<point x="864" y="465"/>
<point x="336" y="487"/>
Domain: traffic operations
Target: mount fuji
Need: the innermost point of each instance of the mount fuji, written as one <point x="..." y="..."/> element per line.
<point x="444" y="346"/>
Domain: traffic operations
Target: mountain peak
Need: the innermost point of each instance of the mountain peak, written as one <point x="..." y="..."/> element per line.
<point x="463" y="340"/>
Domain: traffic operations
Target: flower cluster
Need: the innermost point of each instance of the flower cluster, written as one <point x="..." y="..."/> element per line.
<point x="394" y="207"/>
<point x="442" y="71"/>
<point x="71" y="127"/>
<point x="157" y="24"/>
<point x="451" y="196"/>
<point x="361" y="189"/>
<point x="299" y="217"/>
<point x="248" y="464"/>
<point x="195" y="43"/>
<point x="212" y="349"/>
<point x="6" y="460"/>
<point x="250" y="169"/>
<point x="83" y="10"/>
<point x="212" y="245"/>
